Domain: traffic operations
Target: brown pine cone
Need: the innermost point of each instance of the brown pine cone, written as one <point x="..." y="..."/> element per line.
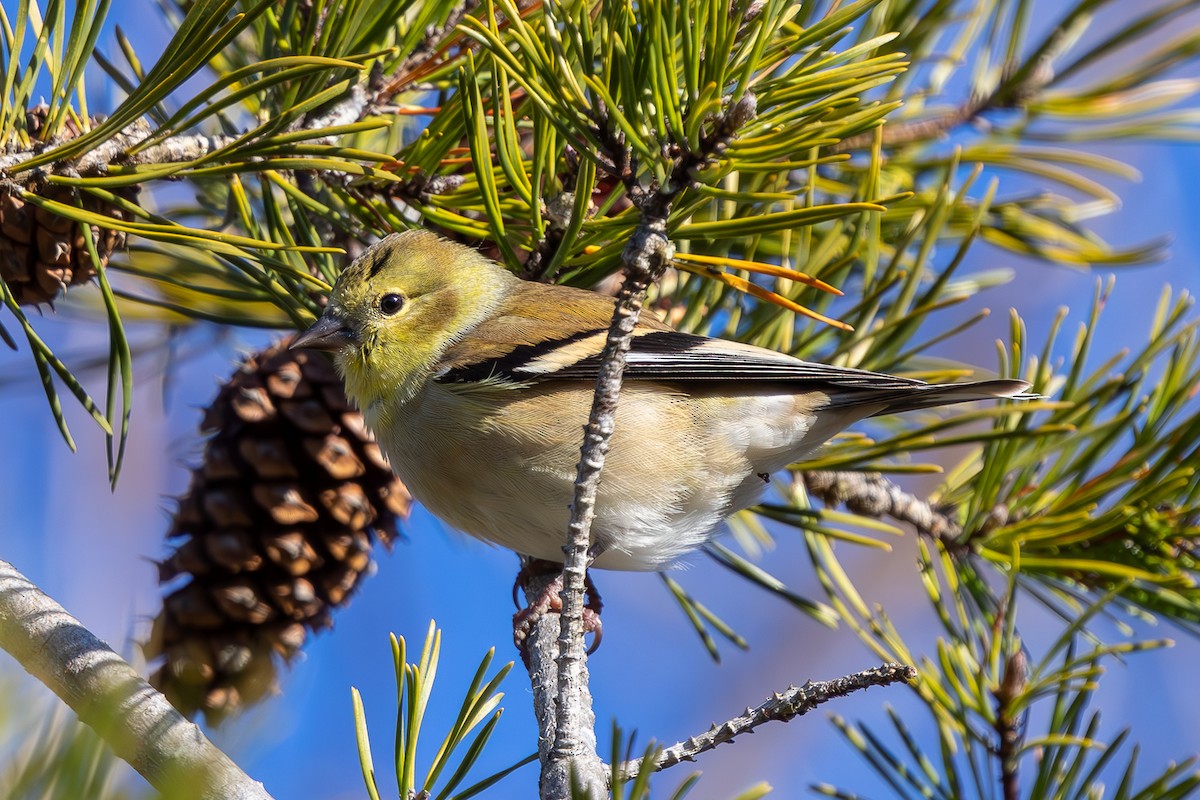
<point x="274" y="533"/>
<point x="42" y="253"/>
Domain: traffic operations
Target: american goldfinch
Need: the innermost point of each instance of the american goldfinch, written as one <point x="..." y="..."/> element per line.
<point x="477" y="385"/>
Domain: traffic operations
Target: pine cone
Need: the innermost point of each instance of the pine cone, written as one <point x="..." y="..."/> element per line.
<point x="274" y="532"/>
<point x="41" y="253"/>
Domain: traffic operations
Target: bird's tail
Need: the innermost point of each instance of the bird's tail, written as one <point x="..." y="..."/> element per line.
<point x="931" y="395"/>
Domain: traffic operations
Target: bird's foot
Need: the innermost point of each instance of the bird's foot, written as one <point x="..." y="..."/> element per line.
<point x="532" y="568"/>
<point x="549" y="601"/>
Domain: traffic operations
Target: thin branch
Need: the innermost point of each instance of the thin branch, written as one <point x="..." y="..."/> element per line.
<point x="918" y="130"/>
<point x="177" y="149"/>
<point x="646" y="256"/>
<point x="107" y="693"/>
<point x="872" y="495"/>
<point x="781" y="707"/>
<point x="1011" y="93"/>
<point x="436" y="37"/>
<point x="541" y="650"/>
<point x="1007" y="724"/>
<point x="570" y="759"/>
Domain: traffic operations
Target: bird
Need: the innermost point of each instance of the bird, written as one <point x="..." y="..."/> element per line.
<point x="477" y="385"/>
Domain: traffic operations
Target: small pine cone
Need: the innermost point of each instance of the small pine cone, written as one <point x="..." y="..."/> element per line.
<point x="274" y="533"/>
<point x="41" y="253"/>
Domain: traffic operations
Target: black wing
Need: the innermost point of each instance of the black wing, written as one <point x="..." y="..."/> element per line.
<point x="666" y="356"/>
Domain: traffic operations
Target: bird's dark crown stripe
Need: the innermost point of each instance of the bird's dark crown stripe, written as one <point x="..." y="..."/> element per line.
<point x="378" y="258"/>
<point x="509" y="365"/>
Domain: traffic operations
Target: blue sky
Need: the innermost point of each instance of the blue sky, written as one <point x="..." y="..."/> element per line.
<point x="90" y="549"/>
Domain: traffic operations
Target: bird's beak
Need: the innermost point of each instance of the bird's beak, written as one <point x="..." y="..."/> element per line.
<point x="330" y="332"/>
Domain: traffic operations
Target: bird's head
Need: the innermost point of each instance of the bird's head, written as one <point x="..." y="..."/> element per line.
<point x="398" y="307"/>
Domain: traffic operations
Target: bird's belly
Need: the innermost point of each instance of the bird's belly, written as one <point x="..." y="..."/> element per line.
<point x="506" y="472"/>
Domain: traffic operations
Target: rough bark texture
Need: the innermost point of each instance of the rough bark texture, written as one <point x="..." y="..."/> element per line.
<point x="542" y="647"/>
<point x="107" y="693"/>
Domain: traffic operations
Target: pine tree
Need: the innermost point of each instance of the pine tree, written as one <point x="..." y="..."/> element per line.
<point x="751" y="153"/>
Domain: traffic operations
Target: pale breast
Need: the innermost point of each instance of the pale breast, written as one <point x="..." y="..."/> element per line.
<point x="500" y="464"/>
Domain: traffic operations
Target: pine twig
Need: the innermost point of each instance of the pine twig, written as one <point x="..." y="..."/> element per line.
<point x="872" y="495"/>
<point x="1014" y="92"/>
<point x="919" y="130"/>
<point x="570" y="760"/>
<point x="645" y="258"/>
<point x="177" y="149"/>
<point x="107" y="693"/>
<point x="1007" y="726"/>
<point x="436" y="36"/>
<point x="783" y="706"/>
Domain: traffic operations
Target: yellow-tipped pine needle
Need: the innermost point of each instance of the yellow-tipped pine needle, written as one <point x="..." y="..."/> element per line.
<point x="753" y="289"/>
<point x="762" y="269"/>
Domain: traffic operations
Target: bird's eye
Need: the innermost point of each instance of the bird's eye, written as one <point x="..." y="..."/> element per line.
<point x="390" y="304"/>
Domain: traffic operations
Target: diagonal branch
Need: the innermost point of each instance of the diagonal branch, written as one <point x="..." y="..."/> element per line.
<point x="437" y="37"/>
<point x="919" y="130"/>
<point x="361" y="100"/>
<point x="783" y="706"/>
<point x="1015" y="91"/>
<point x="872" y="495"/>
<point x="108" y="694"/>
<point x="178" y="149"/>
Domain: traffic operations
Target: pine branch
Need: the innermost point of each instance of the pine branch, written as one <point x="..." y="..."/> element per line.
<point x="795" y="701"/>
<point x="872" y="495"/>
<point x="436" y="37"/>
<point x="181" y="148"/>
<point x="108" y="694"/>
<point x="1006" y="96"/>
<point x="1007" y="725"/>
<point x="645" y="258"/>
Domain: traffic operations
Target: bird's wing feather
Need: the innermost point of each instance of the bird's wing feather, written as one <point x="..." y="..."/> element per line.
<point x="674" y="356"/>
<point x="565" y="339"/>
<point x="504" y="349"/>
<point x="555" y="322"/>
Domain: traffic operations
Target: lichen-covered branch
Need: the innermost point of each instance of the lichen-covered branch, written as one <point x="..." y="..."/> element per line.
<point x="137" y="722"/>
<point x="177" y="149"/>
<point x="872" y="495"/>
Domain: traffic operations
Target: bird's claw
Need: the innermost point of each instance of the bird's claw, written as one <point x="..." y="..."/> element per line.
<point x="550" y="601"/>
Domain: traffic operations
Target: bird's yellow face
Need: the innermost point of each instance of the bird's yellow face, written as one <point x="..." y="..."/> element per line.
<point x="397" y="307"/>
